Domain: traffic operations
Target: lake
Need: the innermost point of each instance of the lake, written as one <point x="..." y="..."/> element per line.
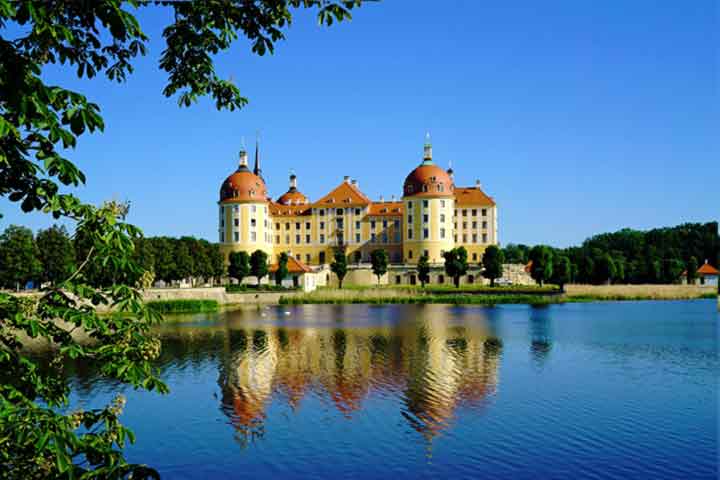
<point x="596" y="390"/>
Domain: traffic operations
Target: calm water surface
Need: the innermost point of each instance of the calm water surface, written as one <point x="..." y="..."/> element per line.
<point x="605" y="390"/>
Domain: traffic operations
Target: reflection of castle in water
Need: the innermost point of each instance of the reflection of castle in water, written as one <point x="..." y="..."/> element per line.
<point x="433" y="367"/>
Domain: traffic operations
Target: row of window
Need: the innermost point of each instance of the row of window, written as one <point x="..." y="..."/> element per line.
<point x="484" y="225"/>
<point x="339" y="221"/>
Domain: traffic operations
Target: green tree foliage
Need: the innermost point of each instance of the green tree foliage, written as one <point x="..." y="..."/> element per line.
<point x="339" y="265"/>
<point x="423" y="268"/>
<point x="216" y="261"/>
<point x="184" y="262"/>
<point x="516" y="253"/>
<point x="258" y="265"/>
<point x="239" y="266"/>
<point x="456" y="264"/>
<point x="604" y="267"/>
<point x="379" y="261"/>
<point x="562" y="271"/>
<point x="19" y="255"/>
<point x="541" y="257"/>
<point x="56" y="254"/>
<point x="492" y="263"/>
<point x="692" y="268"/>
<point x="39" y="124"/>
<point x="282" y="271"/>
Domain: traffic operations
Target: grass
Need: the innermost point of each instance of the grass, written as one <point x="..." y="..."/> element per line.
<point x="183" y="306"/>
<point x="235" y="288"/>
<point x="588" y="293"/>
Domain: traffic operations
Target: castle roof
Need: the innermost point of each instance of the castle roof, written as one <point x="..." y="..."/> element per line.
<point x="344" y="195"/>
<point x="294" y="266"/>
<point x="386" y="209"/>
<point x="472" y="196"/>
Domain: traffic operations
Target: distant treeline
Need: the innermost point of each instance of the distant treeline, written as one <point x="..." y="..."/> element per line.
<point x="53" y="255"/>
<point x="631" y="256"/>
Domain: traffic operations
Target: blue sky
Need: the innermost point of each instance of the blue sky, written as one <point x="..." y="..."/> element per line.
<point x="577" y="117"/>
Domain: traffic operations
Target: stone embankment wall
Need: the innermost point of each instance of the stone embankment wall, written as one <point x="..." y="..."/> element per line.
<point x="214" y="293"/>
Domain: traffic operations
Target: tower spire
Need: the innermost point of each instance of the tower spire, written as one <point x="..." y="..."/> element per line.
<point x="257" y="170"/>
<point x="427" y="154"/>
<point x="243" y="155"/>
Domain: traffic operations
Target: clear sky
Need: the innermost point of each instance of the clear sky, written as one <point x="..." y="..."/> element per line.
<point x="578" y="117"/>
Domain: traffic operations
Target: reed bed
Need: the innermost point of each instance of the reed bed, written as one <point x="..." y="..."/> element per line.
<point x="638" y="292"/>
<point x="183" y="306"/>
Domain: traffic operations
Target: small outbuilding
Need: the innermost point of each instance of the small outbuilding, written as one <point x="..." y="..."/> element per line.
<point x="299" y="275"/>
<point x="706" y="275"/>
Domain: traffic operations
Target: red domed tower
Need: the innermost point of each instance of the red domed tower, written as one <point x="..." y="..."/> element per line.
<point x="428" y="195"/>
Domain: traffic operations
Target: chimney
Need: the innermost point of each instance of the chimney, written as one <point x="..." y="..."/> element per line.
<point x="382" y="199"/>
<point x="393" y="197"/>
<point x="477" y="184"/>
<point x="243" y="158"/>
<point x="346" y="179"/>
<point x="293" y="181"/>
<point x="353" y="182"/>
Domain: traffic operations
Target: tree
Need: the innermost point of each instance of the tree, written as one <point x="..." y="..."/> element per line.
<point x="379" y="261"/>
<point x="39" y="123"/>
<point x="239" y="266"/>
<point x="165" y="266"/>
<point x="692" y="268"/>
<point x="339" y="265"/>
<point x="56" y="254"/>
<point x="282" y="270"/>
<point x="258" y="265"/>
<point x="492" y="263"/>
<point x="423" y="268"/>
<point x="217" y="262"/>
<point x="456" y="264"/>
<point x="541" y="269"/>
<point x="604" y="268"/>
<point x="562" y="272"/>
<point x="183" y="260"/>
<point x="18" y="257"/>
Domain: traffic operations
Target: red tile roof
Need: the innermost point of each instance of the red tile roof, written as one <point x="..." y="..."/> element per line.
<point x="386" y="209"/>
<point x="344" y="195"/>
<point x="708" y="269"/>
<point x="294" y="266"/>
<point x="472" y="196"/>
<point x="279" y="210"/>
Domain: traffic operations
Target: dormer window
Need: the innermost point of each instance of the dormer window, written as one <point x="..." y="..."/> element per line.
<point x="425" y="188"/>
<point x="433" y="179"/>
<point x="441" y="187"/>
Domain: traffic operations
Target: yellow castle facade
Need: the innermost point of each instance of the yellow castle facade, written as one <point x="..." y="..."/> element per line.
<point x="432" y="216"/>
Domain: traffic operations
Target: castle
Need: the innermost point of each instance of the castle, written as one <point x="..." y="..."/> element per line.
<point x="433" y="216"/>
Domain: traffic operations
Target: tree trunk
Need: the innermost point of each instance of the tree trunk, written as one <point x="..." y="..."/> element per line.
<point x="457" y="282"/>
<point x="340" y="283"/>
<point x="492" y="282"/>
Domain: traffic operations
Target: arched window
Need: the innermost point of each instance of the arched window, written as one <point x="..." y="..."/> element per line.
<point x="425" y="188"/>
<point x="441" y="187"/>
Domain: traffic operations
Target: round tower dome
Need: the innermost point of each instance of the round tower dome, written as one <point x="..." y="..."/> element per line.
<point x="428" y="180"/>
<point x="243" y="186"/>
<point x="293" y="196"/>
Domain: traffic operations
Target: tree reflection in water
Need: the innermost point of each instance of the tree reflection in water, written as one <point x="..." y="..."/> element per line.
<point x="432" y="366"/>
<point x="540" y="335"/>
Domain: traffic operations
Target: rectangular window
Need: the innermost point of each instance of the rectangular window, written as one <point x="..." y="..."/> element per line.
<point x="339" y="211"/>
<point x="307" y="238"/>
<point x="442" y="233"/>
<point x="287" y="225"/>
<point x="236" y="236"/>
<point x="442" y="218"/>
<point x="464" y="225"/>
<point x="372" y="237"/>
<point x="464" y="237"/>
<point x="322" y="225"/>
<point x="385" y="237"/>
<point x="426" y="233"/>
<point x="484" y="212"/>
<point x="322" y="238"/>
<point x="474" y="212"/>
<point x="222" y="222"/>
<point x="409" y="253"/>
<point x="357" y="238"/>
<point x="297" y="239"/>
<point x="253" y="237"/>
<point x="409" y="206"/>
<point x="287" y="239"/>
<point x="474" y="257"/>
<point x="357" y="225"/>
<point x="297" y="225"/>
<point x="485" y="238"/>
<point x="425" y="203"/>
<point x="474" y="237"/>
<point x="322" y="212"/>
<point x="426" y="253"/>
<point x="442" y="203"/>
<point x="253" y="222"/>
<point x="236" y="222"/>
<point x="484" y="224"/>
<point x="277" y="239"/>
<point x="372" y="224"/>
<point x="397" y="224"/>
<point x="425" y="218"/>
<point x="357" y="211"/>
<point x="410" y="219"/>
<point x="236" y="208"/>
<point x="222" y="237"/>
<point x="409" y="236"/>
<point x="474" y="225"/>
<point x="254" y="209"/>
<point x="307" y="258"/>
<point x="307" y="225"/>
<point x="464" y="212"/>
<point x="397" y="236"/>
<point x="277" y="226"/>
